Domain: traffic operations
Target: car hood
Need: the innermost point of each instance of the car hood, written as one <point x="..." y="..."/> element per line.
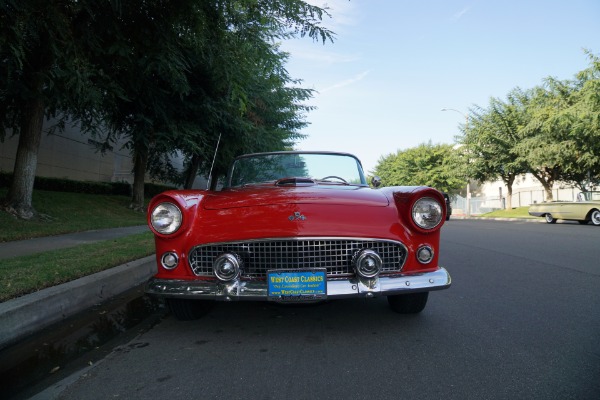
<point x="324" y="194"/>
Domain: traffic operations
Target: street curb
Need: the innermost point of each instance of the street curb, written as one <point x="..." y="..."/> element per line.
<point x="498" y="219"/>
<point x="26" y="315"/>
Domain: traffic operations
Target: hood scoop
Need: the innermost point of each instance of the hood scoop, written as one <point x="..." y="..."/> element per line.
<point x="295" y="182"/>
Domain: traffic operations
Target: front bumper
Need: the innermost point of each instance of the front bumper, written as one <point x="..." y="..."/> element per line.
<point x="336" y="289"/>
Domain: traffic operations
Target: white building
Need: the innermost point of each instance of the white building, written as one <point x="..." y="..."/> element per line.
<point x="527" y="190"/>
<point x="72" y="155"/>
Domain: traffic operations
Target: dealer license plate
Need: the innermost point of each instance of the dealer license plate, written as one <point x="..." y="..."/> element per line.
<point x="297" y="285"/>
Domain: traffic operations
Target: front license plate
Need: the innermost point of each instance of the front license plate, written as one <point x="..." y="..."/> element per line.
<point x="297" y="285"/>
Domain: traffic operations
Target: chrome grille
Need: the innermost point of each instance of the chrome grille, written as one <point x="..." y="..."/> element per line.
<point x="334" y="254"/>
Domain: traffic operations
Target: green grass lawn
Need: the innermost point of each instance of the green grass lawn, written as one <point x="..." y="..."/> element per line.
<point x="27" y="274"/>
<point x="517" y="212"/>
<point x="67" y="213"/>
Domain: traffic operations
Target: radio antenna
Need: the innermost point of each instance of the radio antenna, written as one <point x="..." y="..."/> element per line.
<point x="213" y="163"/>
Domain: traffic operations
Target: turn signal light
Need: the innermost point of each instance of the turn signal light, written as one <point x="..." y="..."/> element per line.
<point x="425" y="254"/>
<point x="169" y="260"/>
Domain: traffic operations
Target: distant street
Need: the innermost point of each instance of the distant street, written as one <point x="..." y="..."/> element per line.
<point x="521" y="321"/>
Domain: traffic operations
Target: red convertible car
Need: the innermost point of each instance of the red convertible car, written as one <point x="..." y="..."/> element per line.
<point x="297" y="227"/>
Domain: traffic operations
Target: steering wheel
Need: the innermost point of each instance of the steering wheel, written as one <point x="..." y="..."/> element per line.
<point x="334" y="177"/>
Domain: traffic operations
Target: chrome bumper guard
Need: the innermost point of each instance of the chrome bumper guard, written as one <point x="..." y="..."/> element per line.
<point x="336" y="289"/>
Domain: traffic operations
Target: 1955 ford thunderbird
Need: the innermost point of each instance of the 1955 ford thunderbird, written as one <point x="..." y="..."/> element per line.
<point x="297" y="227"/>
<point x="585" y="209"/>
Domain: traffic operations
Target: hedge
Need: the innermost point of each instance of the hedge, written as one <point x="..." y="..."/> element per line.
<point x="89" y="187"/>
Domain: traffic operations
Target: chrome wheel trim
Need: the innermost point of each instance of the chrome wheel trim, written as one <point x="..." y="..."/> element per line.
<point x="549" y="218"/>
<point x="595" y="217"/>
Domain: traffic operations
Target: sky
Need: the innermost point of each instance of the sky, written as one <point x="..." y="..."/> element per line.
<point x="395" y="64"/>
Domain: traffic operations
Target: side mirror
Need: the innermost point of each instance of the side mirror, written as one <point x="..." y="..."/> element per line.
<point x="376" y="181"/>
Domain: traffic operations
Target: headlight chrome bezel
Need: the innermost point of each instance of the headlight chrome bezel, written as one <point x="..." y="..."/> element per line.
<point x="427" y="213"/>
<point x="166" y="218"/>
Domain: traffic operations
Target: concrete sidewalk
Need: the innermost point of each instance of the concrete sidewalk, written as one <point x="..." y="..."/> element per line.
<point x="37" y="245"/>
<point x="28" y="314"/>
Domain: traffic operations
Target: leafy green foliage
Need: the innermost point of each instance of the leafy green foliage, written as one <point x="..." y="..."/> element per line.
<point x="551" y="131"/>
<point x="169" y="77"/>
<point x="252" y="104"/>
<point x="44" y="72"/>
<point x="438" y="166"/>
<point x="562" y="138"/>
<point x="489" y="140"/>
<point x="43" y="58"/>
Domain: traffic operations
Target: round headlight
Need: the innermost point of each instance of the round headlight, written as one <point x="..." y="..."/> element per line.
<point x="166" y="218"/>
<point x="427" y="213"/>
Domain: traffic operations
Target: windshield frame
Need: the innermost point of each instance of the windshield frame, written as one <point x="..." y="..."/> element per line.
<point x="359" y="167"/>
<point x="589" y="196"/>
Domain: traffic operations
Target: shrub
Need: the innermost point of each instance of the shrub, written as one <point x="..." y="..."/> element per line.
<point x="88" y="187"/>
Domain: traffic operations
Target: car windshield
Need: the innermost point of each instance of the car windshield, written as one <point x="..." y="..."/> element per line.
<point x="589" y="196"/>
<point x="332" y="168"/>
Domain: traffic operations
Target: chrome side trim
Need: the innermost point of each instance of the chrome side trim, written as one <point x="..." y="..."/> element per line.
<point x="338" y="288"/>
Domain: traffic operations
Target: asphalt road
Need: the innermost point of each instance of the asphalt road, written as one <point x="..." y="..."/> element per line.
<point x="521" y="321"/>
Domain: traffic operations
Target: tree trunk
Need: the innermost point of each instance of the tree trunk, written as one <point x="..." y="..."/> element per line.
<point x="549" y="195"/>
<point x="547" y="184"/>
<point x="192" y="171"/>
<point x="20" y="194"/>
<point x="139" y="173"/>
<point x="509" y="190"/>
<point x="509" y="198"/>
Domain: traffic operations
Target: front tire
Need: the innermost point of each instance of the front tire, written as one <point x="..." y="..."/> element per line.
<point x="412" y="303"/>
<point x="595" y="217"/>
<point x="189" y="310"/>
<point x="550" y="219"/>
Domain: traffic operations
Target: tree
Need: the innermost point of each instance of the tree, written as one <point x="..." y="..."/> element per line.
<point x="259" y="105"/>
<point x="550" y="131"/>
<point x="438" y="166"/>
<point x="44" y="72"/>
<point x="541" y="147"/>
<point x="265" y="114"/>
<point x="148" y="61"/>
<point x="129" y="65"/>
<point x="580" y="119"/>
<point x="561" y="139"/>
<point x="490" y="139"/>
<point x="189" y="73"/>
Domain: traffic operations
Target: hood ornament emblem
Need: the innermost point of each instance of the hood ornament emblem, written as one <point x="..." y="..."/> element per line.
<point x="297" y="216"/>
